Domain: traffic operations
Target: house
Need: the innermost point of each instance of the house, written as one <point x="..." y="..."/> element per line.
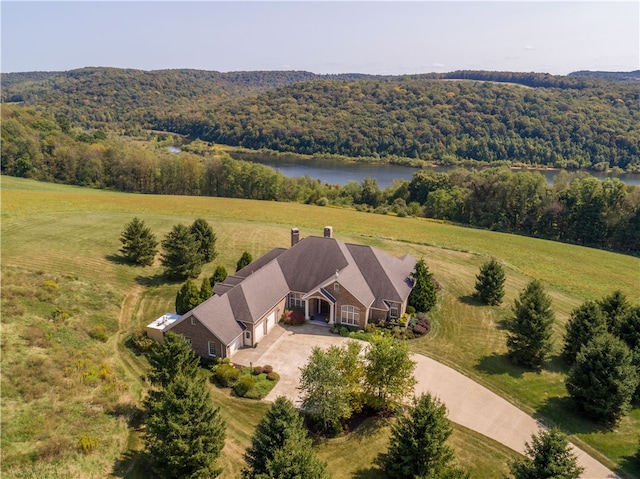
<point x="332" y="281"/>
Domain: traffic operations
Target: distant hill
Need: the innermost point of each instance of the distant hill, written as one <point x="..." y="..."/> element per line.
<point x="632" y="76"/>
<point x="564" y="121"/>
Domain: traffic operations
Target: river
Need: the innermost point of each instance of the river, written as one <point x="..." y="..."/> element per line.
<point x="340" y="173"/>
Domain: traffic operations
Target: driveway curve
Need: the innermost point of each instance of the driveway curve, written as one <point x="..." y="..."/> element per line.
<point x="468" y="403"/>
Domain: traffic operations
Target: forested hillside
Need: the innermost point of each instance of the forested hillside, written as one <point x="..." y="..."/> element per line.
<point x="530" y="118"/>
<point x="577" y="208"/>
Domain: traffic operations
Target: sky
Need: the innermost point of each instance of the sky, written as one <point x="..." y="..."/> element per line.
<point x="376" y="37"/>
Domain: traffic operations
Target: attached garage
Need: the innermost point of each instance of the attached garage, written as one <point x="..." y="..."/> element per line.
<point x="235" y="345"/>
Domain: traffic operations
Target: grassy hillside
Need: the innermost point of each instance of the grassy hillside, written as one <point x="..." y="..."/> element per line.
<point x="60" y="255"/>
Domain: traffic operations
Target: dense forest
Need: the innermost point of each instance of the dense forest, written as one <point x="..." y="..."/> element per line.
<point x="579" y="121"/>
<point x="576" y="208"/>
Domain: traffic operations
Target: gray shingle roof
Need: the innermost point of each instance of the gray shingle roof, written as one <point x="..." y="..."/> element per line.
<point x="371" y="275"/>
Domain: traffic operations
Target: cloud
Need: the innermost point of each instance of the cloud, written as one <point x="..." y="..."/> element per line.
<point x="437" y="65"/>
<point x="529" y="47"/>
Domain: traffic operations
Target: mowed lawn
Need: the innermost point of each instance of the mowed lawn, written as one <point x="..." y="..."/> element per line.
<point x="69" y="232"/>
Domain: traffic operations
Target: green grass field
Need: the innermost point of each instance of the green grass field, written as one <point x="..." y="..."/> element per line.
<point x="60" y="255"/>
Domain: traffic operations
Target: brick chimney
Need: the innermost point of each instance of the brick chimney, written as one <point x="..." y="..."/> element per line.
<point x="328" y="231"/>
<point x="295" y="236"/>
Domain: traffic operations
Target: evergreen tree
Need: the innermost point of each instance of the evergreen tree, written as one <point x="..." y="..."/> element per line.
<point x="206" y="291"/>
<point x="630" y="334"/>
<point x="188" y="297"/>
<point x="423" y="294"/>
<point x="280" y="447"/>
<point x="615" y="307"/>
<point x="325" y="389"/>
<point x="219" y="275"/>
<point x="184" y="431"/>
<point x="417" y="448"/>
<point x="170" y="358"/>
<point x="529" y="331"/>
<point x="388" y="372"/>
<point x="244" y="260"/>
<point x="139" y="244"/>
<point x="490" y="283"/>
<point x="206" y="239"/>
<point x="603" y="379"/>
<point x="586" y="322"/>
<point x="181" y="257"/>
<point x="549" y="456"/>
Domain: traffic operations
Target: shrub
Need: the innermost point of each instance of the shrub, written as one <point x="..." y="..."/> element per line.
<point x="293" y="317"/>
<point x="411" y="310"/>
<point x="370" y="328"/>
<point x="49" y="284"/>
<point x="244" y="384"/>
<point x="420" y="330"/>
<point x="141" y="342"/>
<point x="99" y="333"/>
<point x="87" y="443"/>
<point x="257" y="370"/>
<point x="267" y="369"/>
<point x="226" y="375"/>
<point x="59" y="314"/>
<point x="273" y="376"/>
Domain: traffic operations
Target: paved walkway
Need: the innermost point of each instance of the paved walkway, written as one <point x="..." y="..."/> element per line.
<point x="469" y="404"/>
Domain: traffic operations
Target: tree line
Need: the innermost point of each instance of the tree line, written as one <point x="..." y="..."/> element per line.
<point x="577" y="208"/>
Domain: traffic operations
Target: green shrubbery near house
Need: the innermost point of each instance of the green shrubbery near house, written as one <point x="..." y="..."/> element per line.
<point x="249" y="382"/>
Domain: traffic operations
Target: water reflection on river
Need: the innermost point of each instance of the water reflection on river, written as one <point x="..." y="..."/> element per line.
<point x="340" y="173"/>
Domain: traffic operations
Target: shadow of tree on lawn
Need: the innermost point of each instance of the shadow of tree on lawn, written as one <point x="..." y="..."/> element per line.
<point x="118" y="259"/>
<point x="471" y="300"/>
<point x="499" y="364"/>
<point x="562" y="412"/>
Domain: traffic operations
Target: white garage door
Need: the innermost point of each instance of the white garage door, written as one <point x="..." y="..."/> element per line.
<point x="237" y="344"/>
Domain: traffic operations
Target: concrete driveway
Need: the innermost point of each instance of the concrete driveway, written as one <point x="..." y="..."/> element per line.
<point x="469" y="404"/>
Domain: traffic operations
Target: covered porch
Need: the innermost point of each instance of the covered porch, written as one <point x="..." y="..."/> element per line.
<point x="320" y="307"/>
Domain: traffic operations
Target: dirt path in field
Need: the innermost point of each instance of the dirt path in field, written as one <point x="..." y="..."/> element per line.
<point x="469" y="404"/>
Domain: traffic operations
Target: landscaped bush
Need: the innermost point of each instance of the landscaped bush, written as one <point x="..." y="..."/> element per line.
<point x="244" y="384"/>
<point x="226" y="375"/>
<point x="267" y="369"/>
<point x="273" y="376"/>
<point x="141" y="342"/>
<point x="257" y="370"/>
<point x="87" y="443"/>
<point x="293" y="316"/>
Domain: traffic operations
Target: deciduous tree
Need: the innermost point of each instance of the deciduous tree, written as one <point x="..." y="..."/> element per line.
<point x="423" y="294"/>
<point x="280" y="447"/>
<point x="417" y="448"/>
<point x="530" y="329"/>
<point x="181" y="257"/>
<point x="549" y="456"/>
<point x="490" y="283"/>
<point x="388" y="372"/>
<point x="139" y="244"/>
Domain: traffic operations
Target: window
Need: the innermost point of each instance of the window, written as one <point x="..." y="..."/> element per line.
<point x="295" y="300"/>
<point x="212" y="348"/>
<point x="247" y="335"/>
<point x="193" y="321"/>
<point x="350" y="315"/>
<point x="393" y="310"/>
<point x="336" y="287"/>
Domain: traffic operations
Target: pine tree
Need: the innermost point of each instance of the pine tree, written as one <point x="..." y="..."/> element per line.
<point x="630" y="334"/>
<point x="615" y="307"/>
<point x="549" y="457"/>
<point x="181" y="258"/>
<point x="184" y="431"/>
<point x="423" y="294"/>
<point x="139" y="245"/>
<point x="490" y="283"/>
<point x="188" y="297"/>
<point x="206" y="239"/>
<point x="529" y="331"/>
<point x="280" y="447"/>
<point x="586" y="322"/>
<point x="603" y="379"/>
<point x="170" y="358"/>
<point x="244" y="260"/>
<point x="417" y="447"/>
<point x="219" y="275"/>
<point x="206" y="291"/>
